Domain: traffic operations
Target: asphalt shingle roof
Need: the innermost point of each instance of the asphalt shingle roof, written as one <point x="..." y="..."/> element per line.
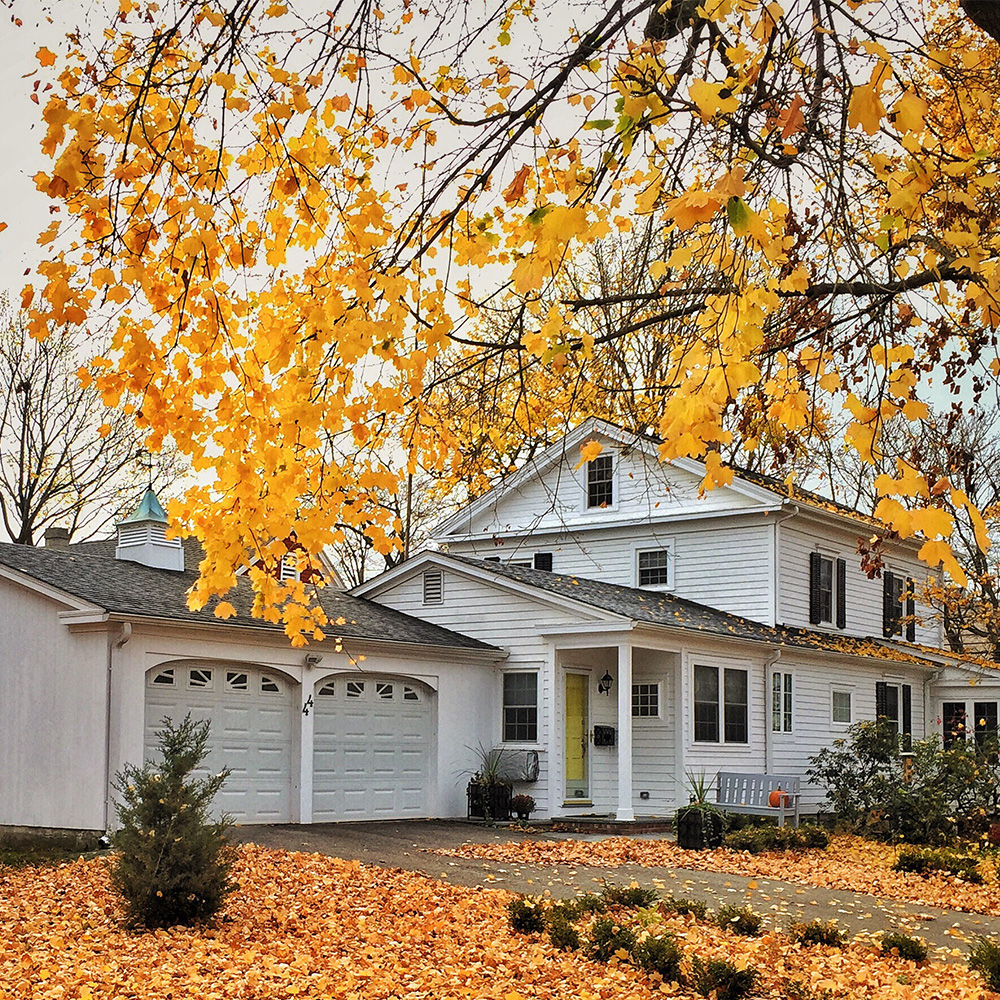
<point x="89" y="571"/>
<point x="654" y="608"/>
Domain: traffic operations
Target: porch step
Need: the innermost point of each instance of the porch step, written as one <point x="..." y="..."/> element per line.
<point x="608" y="824"/>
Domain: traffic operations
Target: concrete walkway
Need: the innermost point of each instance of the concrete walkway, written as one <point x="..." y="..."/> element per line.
<point x="409" y="845"/>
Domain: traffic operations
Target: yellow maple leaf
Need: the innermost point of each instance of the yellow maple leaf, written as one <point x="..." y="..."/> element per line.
<point x="866" y="109"/>
<point x="589" y="450"/>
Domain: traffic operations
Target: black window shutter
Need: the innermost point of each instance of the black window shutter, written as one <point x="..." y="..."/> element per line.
<point x="881" y="699"/>
<point x="907" y="720"/>
<point x="543" y="560"/>
<point x="841" y="593"/>
<point x="815" y="614"/>
<point x="888" y="618"/>
<point x="911" y="625"/>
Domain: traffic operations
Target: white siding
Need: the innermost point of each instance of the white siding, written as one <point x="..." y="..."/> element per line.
<point x="798" y="537"/>
<point x="52" y="712"/>
<point x="654" y="741"/>
<point x="724" y="564"/>
<point x="513" y="622"/>
<point x="644" y="488"/>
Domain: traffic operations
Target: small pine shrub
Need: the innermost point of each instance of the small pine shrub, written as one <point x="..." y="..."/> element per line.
<point x="563" y="934"/>
<point x="608" y="937"/>
<point x="739" y="919"/>
<point x="818" y="932"/>
<point x="682" y="906"/>
<point x="573" y="909"/>
<point x="909" y="948"/>
<point x="815" y="836"/>
<point x="173" y="863"/>
<point x="661" y="955"/>
<point x="632" y="897"/>
<point x="984" y="958"/>
<point x="926" y="860"/>
<point x="526" y="915"/>
<point x="721" y="979"/>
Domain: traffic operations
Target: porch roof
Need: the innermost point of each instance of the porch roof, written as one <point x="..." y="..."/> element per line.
<point x="667" y="610"/>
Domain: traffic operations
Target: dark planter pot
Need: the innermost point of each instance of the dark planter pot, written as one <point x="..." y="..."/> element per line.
<point x="699" y="829"/>
<point x="489" y="802"/>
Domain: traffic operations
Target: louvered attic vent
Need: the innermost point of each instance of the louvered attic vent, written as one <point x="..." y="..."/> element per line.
<point x="433" y="586"/>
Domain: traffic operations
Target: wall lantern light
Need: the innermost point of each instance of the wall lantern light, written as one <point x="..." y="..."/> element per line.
<point x="604" y="684"/>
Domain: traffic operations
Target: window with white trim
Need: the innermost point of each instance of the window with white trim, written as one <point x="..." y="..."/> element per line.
<point x="646" y="701"/>
<point x="520" y="707"/>
<point x="355" y="689"/>
<point x="165" y="678"/>
<point x="655" y="567"/>
<point x="841" y="706"/>
<point x="237" y="680"/>
<point x="601" y="481"/>
<point x="198" y="678"/>
<point x="383" y="690"/>
<point x="268" y="685"/>
<point x="721" y="705"/>
<point x="781" y="702"/>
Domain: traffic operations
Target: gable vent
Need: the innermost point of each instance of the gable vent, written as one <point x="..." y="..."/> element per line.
<point x="433" y="586"/>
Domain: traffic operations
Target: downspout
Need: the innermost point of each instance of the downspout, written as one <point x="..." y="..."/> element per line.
<point x="768" y="708"/>
<point x="936" y="676"/>
<point x="123" y="637"/>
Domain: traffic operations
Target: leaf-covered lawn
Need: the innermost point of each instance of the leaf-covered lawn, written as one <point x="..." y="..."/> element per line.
<point x="849" y="863"/>
<point x="304" y="925"/>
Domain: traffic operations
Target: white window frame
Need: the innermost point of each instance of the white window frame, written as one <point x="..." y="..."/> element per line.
<point x="584" y="473"/>
<point x="538" y="711"/>
<point x="665" y="546"/>
<point x="720" y="667"/>
<point x="785" y="717"/>
<point x="847" y="689"/>
<point x="657" y="687"/>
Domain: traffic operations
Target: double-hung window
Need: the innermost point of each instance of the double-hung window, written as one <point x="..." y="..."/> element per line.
<point x="721" y="705"/>
<point x="520" y="707"/>
<point x="827" y="590"/>
<point x="781" y="702"/>
<point x="893" y="702"/>
<point x="897" y="604"/>
<point x="600" y="482"/>
<point x="655" y="567"/>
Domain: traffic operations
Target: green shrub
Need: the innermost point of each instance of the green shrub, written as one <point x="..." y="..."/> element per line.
<point x="630" y="896"/>
<point x="661" y="955"/>
<point x="910" y="948"/>
<point x="608" y="937"/>
<point x="526" y="915"/>
<point x="683" y="906"/>
<point x="754" y="839"/>
<point x="173" y="865"/>
<point x="721" y="979"/>
<point x="924" y="861"/>
<point x="818" y="932"/>
<point x="984" y="958"/>
<point x="573" y="909"/>
<point x="563" y="934"/>
<point x="739" y="919"/>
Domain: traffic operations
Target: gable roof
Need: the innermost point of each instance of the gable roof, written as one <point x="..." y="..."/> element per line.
<point x="89" y="572"/>
<point x="768" y="491"/>
<point x="667" y="610"/>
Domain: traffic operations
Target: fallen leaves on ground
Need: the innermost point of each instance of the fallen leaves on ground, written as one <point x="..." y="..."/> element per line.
<point x="308" y="926"/>
<point x="849" y="863"/>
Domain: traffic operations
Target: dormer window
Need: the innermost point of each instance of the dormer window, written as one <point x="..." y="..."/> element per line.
<point x="600" y="482"/>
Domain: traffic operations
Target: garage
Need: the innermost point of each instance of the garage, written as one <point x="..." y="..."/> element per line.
<point x="373" y="747"/>
<point x="250" y="711"/>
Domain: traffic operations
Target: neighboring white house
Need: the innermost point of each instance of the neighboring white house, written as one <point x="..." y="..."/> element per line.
<point x="97" y="647"/>
<point x="608" y="626"/>
<point x="655" y="633"/>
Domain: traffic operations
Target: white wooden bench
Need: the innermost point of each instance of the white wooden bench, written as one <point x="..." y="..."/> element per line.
<point x="749" y="793"/>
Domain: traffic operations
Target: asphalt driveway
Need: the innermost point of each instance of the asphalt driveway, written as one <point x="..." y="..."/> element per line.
<point x="410" y="846"/>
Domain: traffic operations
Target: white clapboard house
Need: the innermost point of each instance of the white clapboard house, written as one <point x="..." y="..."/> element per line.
<point x="608" y="627"/>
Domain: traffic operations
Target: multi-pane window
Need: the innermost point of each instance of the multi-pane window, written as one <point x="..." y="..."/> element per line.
<point x="355" y="689"/>
<point x="892" y="605"/>
<point x="720" y="708"/>
<point x="198" y="678"/>
<point x="269" y="685"/>
<point x="600" y="482"/>
<point x="237" y="680"/>
<point x="957" y="723"/>
<point x="827" y="590"/>
<point x="840" y="707"/>
<point x="520" y="707"/>
<point x="646" y="701"/>
<point x="954" y="722"/>
<point x="654" y="568"/>
<point x="781" y="702"/>
<point x="984" y="715"/>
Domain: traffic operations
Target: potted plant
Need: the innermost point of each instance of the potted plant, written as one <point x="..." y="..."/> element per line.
<point x="488" y="792"/>
<point x="700" y="825"/>
<point x="522" y="805"/>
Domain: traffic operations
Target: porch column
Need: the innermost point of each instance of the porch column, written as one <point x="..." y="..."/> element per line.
<point x="624" y="810"/>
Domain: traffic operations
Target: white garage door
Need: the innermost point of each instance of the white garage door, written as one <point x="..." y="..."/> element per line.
<point x="373" y="746"/>
<point x="250" y="711"/>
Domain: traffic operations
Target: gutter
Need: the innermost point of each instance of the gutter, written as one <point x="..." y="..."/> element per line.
<point x="124" y="634"/>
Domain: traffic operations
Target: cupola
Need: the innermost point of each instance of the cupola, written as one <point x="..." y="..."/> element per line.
<point x="142" y="537"/>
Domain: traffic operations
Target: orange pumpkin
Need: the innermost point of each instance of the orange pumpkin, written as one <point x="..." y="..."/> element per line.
<point x="779" y="798"/>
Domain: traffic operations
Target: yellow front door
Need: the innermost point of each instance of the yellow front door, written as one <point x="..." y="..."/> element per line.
<point x="576" y="737"/>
